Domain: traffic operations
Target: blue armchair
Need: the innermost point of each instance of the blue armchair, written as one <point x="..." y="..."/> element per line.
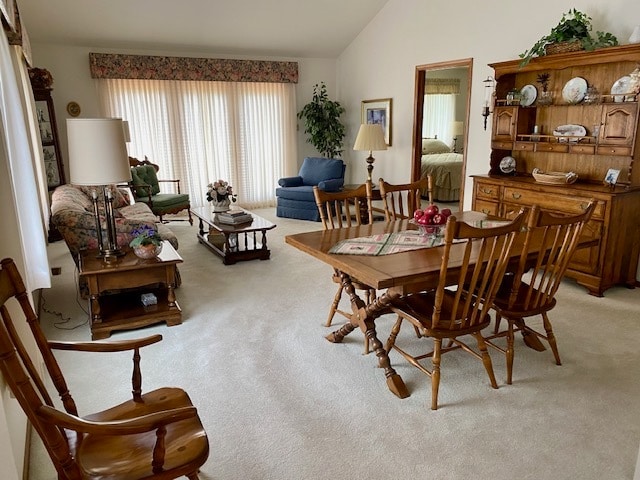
<point x="295" y="195"/>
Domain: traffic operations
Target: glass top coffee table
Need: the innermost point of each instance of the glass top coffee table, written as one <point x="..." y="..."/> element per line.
<point x="234" y="243"/>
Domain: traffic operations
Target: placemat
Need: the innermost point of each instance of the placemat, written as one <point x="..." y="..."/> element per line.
<point x="386" y="244"/>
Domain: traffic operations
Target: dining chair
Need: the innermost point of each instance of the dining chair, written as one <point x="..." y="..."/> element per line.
<point x="155" y="435"/>
<point x="396" y="197"/>
<point x="531" y="289"/>
<point x="345" y="209"/>
<point x="459" y="306"/>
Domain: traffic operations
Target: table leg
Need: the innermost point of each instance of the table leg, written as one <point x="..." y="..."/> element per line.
<point x="364" y="316"/>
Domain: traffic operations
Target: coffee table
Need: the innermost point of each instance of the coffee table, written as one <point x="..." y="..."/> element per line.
<point x="234" y="243"/>
<point x="115" y="290"/>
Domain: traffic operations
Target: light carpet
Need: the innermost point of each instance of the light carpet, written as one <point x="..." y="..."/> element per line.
<point x="278" y="401"/>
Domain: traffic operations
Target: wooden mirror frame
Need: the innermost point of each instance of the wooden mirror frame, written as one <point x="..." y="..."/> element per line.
<point x="421" y="75"/>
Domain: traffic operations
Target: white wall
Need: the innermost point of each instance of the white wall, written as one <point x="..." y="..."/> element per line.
<point x="380" y="63"/>
<point x="69" y="66"/>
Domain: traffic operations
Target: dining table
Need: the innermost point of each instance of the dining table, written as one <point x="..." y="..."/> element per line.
<point x="398" y="274"/>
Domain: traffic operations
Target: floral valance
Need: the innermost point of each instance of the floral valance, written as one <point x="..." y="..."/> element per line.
<point x="15" y="31"/>
<point x="442" y="86"/>
<point x="145" y="67"/>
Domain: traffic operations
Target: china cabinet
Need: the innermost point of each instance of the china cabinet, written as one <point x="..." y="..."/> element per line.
<point x="41" y="81"/>
<point x="586" y="135"/>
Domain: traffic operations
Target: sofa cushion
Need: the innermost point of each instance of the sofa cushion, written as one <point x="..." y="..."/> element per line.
<point x="144" y="175"/>
<point x="304" y="193"/>
<point x="314" y="170"/>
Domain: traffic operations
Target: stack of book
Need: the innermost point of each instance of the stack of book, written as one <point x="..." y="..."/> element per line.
<point x="233" y="217"/>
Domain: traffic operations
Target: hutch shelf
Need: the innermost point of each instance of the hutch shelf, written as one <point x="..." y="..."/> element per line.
<point x="607" y="123"/>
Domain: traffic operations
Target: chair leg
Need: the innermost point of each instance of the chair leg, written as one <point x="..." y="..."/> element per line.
<point x="435" y="373"/>
<point x="391" y="341"/>
<point x="496" y="327"/>
<point x="486" y="359"/>
<point x="510" y="352"/>
<point x="192" y="476"/>
<point x="190" y="217"/>
<point x="334" y="306"/>
<point x="551" y="338"/>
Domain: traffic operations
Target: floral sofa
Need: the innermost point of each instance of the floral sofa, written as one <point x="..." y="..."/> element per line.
<point x="72" y="214"/>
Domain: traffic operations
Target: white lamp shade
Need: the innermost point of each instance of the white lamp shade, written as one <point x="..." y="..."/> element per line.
<point x="370" y="137"/>
<point x="458" y="128"/>
<point x="97" y="151"/>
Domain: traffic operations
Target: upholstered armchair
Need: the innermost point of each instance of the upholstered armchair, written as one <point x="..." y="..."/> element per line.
<point x="295" y="195"/>
<point x="146" y="188"/>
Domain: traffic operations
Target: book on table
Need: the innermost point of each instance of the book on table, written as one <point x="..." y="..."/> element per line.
<point x="234" y="218"/>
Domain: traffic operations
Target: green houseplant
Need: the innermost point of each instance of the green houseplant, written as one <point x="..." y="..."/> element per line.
<point x="322" y="122"/>
<point x="574" y="27"/>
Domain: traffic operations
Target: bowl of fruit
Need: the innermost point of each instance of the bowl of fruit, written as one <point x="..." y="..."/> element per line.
<point x="431" y="220"/>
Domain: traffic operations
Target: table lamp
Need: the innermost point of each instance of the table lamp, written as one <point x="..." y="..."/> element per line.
<point x="458" y="129"/>
<point x="370" y="137"/>
<point x="98" y="157"/>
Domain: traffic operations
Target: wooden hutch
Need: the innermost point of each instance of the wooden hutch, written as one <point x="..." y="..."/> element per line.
<point x="611" y="142"/>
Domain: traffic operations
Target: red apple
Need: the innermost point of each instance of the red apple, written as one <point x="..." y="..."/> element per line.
<point x="431" y="209"/>
<point x="417" y="214"/>
<point x="425" y="219"/>
<point x="439" y="219"/>
<point x="445" y="211"/>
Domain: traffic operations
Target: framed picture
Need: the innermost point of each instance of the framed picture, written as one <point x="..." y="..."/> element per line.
<point x="611" y="178"/>
<point x="378" y="111"/>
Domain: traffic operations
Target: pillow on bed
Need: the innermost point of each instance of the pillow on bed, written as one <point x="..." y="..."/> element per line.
<point x="431" y="146"/>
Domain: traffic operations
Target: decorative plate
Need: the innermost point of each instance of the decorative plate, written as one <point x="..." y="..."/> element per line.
<point x="570" y="133"/>
<point x="508" y="164"/>
<point x="528" y="95"/>
<point x="622" y="85"/>
<point x="574" y="90"/>
<point x="73" y="109"/>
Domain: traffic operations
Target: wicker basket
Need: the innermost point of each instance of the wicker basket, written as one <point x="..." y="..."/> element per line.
<point x="563" y="47"/>
<point x="554" y="178"/>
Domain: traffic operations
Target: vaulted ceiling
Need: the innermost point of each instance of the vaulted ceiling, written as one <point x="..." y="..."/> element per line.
<point x="290" y="28"/>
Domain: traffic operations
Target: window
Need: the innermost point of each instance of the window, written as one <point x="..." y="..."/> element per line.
<point x="201" y="131"/>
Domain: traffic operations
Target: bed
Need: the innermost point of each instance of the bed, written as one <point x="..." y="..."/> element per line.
<point x="445" y="168"/>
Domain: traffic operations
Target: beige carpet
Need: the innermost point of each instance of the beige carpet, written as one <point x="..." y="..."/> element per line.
<point x="280" y="402"/>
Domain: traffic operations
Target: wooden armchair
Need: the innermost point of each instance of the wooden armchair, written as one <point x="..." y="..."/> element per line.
<point x="156" y="435"/>
<point x="146" y="188"/>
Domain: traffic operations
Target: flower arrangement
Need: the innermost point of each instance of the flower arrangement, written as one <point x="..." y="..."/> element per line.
<point x="145" y="235"/>
<point x="219" y="191"/>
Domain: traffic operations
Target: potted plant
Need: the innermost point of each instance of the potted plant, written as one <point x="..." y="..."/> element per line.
<point x="572" y="33"/>
<point x="146" y="243"/>
<point x="322" y="122"/>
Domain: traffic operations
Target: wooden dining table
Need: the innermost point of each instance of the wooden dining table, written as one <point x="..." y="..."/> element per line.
<point x="399" y="273"/>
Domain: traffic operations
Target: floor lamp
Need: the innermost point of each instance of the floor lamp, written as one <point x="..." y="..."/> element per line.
<point x="98" y="158"/>
<point x="370" y="137"/>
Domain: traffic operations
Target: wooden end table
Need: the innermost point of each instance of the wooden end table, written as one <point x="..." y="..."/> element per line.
<point x="115" y="290"/>
<point x="234" y="243"/>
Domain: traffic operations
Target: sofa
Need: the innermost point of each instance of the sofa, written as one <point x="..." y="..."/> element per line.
<point x="294" y="197"/>
<point x="73" y="216"/>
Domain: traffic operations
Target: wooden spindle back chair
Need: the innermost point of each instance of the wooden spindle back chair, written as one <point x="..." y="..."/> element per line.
<point x="156" y="435"/>
<point x="345" y="209"/>
<point x="400" y="201"/>
<point x="461" y="303"/>
<point x="520" y="297"/>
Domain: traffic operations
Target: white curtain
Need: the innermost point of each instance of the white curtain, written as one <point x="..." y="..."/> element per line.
<point x="17" y="114"/>
<point x="439" y="114"/>
<point x="198" y="132"/>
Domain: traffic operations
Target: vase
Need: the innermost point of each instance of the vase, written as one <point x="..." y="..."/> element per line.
<point x="147" y="251"/>
<point x="220" y="205"/>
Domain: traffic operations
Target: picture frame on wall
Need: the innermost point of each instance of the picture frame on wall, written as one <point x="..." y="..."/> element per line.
<point x="378" y="111"/>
